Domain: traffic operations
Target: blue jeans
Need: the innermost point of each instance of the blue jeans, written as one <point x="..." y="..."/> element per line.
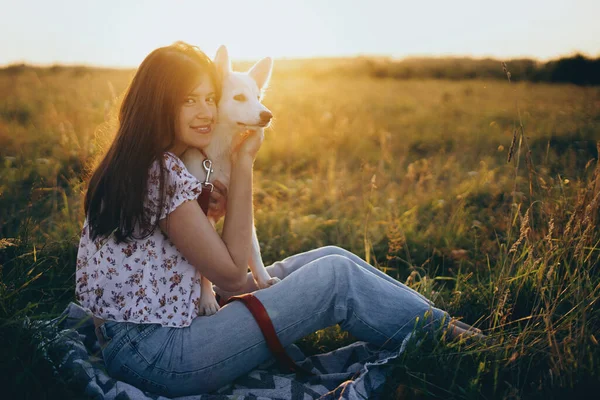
<point x="319" y="288"/>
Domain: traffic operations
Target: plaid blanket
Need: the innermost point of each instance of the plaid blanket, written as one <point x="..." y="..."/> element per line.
<point x="357" y="371"/>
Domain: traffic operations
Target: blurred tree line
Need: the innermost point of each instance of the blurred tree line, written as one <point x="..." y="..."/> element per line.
<point x="577" y="69"/>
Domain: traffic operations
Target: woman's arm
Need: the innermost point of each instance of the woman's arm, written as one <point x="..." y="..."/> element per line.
<point x="223" y="260"/>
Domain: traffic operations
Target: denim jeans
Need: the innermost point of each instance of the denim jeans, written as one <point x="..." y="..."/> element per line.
<point x="319" y="288"/>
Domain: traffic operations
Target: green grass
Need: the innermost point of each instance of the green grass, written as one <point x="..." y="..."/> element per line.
<point x="411" y="175"/>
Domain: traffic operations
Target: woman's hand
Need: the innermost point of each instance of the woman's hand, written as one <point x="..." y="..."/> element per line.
<point x="247" y="144"/>
<point x="217" y="204"/>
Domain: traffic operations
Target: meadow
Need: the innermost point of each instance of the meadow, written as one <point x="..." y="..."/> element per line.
<point x="412" y="175"/>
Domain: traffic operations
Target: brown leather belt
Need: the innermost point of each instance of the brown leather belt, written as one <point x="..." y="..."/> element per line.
<point x="97" y="321"/>
<point x="99" y="335"/>
<point x="265" y="324"/>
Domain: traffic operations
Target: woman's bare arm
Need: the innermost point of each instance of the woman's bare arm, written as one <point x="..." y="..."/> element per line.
<point x="223" y="260"/>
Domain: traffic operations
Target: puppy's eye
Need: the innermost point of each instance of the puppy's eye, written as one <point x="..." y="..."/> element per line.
<point x="239" y="97"/>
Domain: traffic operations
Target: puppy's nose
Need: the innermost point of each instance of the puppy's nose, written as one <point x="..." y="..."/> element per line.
<point x="265" y="116"/>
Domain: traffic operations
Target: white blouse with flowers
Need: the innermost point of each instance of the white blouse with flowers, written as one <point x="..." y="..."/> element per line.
<point x="146" y="280"/>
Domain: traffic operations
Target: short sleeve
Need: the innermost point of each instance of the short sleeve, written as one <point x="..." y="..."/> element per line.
<point x="179" y="186"/>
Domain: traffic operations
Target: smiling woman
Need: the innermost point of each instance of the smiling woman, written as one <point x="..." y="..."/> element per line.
<point x="146" y="245"/>
<point x="157" y="114"/>
<point x="196" y="117"/>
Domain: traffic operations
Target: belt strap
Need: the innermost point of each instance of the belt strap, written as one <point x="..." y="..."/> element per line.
<point x="261" y="316"/>
<point x="204" y="199"/>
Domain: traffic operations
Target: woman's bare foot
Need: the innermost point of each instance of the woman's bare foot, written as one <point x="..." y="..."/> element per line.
<point x="465" y="326"/>
<point x="459" y="330"/>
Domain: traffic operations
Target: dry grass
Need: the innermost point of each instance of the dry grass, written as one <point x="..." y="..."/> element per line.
<point x="411" y="175"/>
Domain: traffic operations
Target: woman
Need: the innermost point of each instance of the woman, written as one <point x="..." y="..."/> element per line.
<point x="146" y="240"/>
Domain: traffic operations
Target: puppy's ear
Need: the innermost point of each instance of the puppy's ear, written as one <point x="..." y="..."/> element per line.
<point x="261" y="72"/>
<point x="222" y="61"/>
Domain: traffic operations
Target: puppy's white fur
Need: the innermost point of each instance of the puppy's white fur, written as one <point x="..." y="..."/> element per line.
<point x="239" y="110"/>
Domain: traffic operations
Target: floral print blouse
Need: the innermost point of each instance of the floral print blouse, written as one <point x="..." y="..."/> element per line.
<point x="146" y="280"/>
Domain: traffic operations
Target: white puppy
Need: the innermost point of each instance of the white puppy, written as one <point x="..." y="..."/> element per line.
<point x="239" y="110"/>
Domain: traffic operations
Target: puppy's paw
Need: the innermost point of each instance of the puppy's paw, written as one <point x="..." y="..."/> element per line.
<point x="273" y="281"/>
<point x="262" y="284"/>
<point x="208" y="306"/>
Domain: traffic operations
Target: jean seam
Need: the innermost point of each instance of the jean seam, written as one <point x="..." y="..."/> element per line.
<point x="150" y="382"/>
<point x="141" y="336"/>
<point x="210" y="366"/>
<point x="238" y="353"/>
<point x="118" y="346"/>
<point x="370" y="327"/>
<point x="305" y="319"/>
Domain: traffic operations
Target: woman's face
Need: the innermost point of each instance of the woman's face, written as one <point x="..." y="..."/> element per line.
<point x="197" y="116"/>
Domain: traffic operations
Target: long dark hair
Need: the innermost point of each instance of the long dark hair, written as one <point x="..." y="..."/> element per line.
<point x="114" y="201"/>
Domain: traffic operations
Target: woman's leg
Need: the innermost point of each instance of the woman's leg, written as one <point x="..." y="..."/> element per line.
<point x="281" y="269"/>
<point x="215" y="350"/>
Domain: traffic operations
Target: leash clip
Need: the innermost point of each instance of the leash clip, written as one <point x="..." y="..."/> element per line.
<point x="207" y="164"/>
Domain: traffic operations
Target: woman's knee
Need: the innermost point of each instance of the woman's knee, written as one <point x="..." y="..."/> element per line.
<point x="334" y="250"/>
<point x="335" y="266"/>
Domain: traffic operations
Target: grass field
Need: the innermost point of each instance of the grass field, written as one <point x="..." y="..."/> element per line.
<point x="412" y="175"/>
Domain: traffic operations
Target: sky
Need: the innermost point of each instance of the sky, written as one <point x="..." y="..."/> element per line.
<point x="120" y="33"/>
